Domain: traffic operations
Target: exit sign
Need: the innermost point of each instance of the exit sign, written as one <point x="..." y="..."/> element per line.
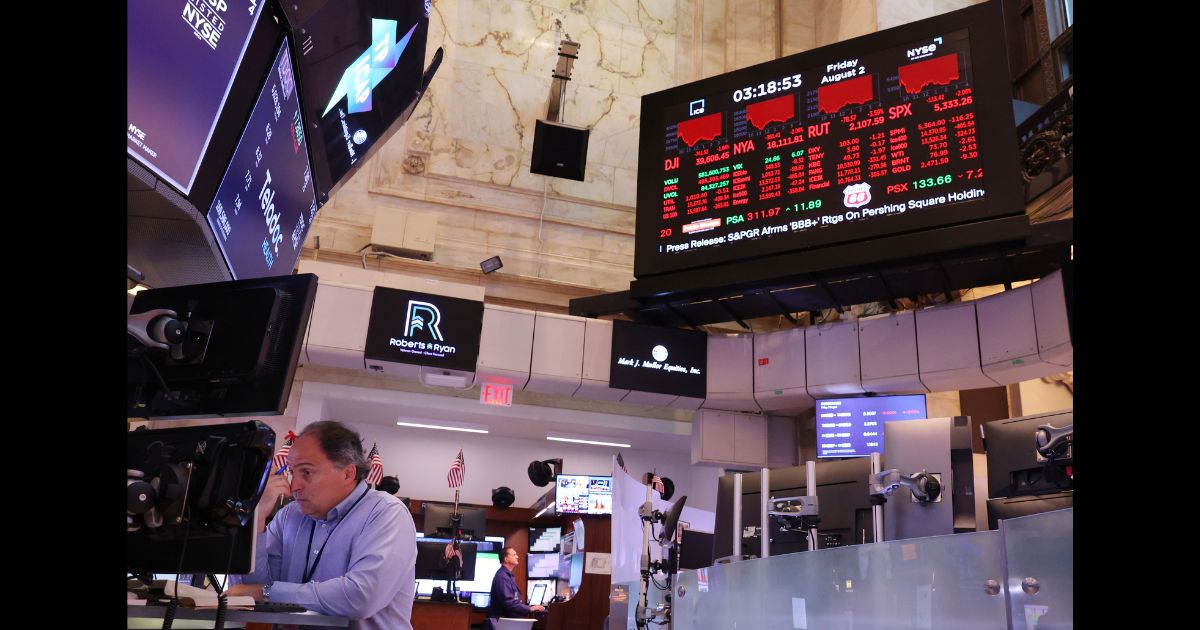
<point x="496" y="394"/>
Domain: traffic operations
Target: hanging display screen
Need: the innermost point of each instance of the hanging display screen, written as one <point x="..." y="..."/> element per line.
<point x="266" y="202"/>
<point x="883" y="134"/>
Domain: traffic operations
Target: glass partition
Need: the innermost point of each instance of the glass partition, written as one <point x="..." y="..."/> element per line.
<point x="954" y="582"/>
<point x="1039" y="552"/>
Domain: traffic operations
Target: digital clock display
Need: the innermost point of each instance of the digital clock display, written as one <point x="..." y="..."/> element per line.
<point x="879" y="135"/>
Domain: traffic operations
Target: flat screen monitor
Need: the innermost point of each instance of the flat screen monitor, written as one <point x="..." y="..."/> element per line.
<point x="696" y="550"/>
<point x="487" y="562"/>
<point x="438" y="521"/>
<point x="541" y="591"/>
<point x="575" y="578"/>
<point x="543" y="565"/>
<point x="266" y="201"/>
<point x="192" y="494"/>
<point x="537" y="593"/>
<point x="853" y="427"/>
<point x="1014" y="467"/>
<point x="423" y="329"/>
<point x="583" y="494"/>
<point x="432" y="563"/>
<point x="659" y="360"/>
<point x="901" y="130"/>
<point x="481" y="600"/>
<point x="545" y="539"/>
<point x="234" y="352"/>
<point x="360" y="65"/>
<point x="180" y="67"/>
<point x="1014" y="507"/>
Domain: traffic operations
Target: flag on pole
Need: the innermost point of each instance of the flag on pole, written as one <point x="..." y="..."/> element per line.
<point x="657" y="482"/>
<point x="458" y="471"/>
<point x="281" y="457"/>
<point x="376" y="474"/>
<point x="621" y="463"/>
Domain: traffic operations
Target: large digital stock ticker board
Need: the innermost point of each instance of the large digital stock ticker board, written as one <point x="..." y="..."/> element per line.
<point x="892" y="132"/>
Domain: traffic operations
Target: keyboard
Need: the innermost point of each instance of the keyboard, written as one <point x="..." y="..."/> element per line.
<point x="278" y="607"/>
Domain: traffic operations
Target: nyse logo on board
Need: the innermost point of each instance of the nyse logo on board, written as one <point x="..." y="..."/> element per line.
<point x="204" y="16"/>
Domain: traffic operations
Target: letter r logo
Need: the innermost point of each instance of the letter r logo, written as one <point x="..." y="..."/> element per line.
<point x="423" y="316"/>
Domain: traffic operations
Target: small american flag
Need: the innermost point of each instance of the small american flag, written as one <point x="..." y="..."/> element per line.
<point x="281" y="457"/>
<point x="656" y="481"/>
<point x="458" y="471"/>
<point x="376" y="474"/>
<point x="621" y="463"/>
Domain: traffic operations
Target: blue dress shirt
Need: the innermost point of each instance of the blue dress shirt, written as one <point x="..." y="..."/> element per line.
<point x="365" y="554"/>
<point x="506" y="599"/>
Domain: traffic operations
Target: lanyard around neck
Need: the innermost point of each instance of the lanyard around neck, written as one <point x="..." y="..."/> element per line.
<point x="309" y="573"/>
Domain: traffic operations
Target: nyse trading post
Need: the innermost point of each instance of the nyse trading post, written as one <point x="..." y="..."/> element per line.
<point x="858" y="146"/>
<point x="266" y="202"/>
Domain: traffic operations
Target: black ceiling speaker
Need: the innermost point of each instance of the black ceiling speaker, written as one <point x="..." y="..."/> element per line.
<point x="543" y="472"/>
<point x="503" y="497"/>
<point x="559" y="150"/>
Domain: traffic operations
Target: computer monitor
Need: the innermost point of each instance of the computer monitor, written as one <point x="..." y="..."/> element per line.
<point x="696" y="550"/>
<point x="544" y="565"/>
<point x="671" y="520"/>
<point x="1013" y="463"/>
<point x="541" y="591"/>
<point x="575" y="577"/>
<point x="432" y="565"/>
<point x="545" y="539"/>
<point x="191" y="497"/>
<point x="1013" y="507"/>
<point x="481" y="600"/>
<point x="487" y="562"/>
<point x="229" y="349"/>
<point x="438" y="523"/>
<point x="537" y="593"/>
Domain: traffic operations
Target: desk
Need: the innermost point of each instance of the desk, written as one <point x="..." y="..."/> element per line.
<point x="150" y="616"/>
<point x="427" y="615"/>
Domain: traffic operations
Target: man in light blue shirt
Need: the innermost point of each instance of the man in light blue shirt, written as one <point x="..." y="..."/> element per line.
<point x="339" y="548"/>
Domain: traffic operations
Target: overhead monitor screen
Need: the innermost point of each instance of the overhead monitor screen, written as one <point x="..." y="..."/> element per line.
<point x="658" y="359"/>
<point x="424" y="329"/>
<point x="360" y="64"/>
<point x="897" y="131"/>
<point x="583" y="494"/>
<point x="266" y="202"/>
<point x="853" y="427"/>
<point x="181" y="58"/>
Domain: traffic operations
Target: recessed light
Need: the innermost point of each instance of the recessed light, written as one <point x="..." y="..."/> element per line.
<point x="419" y="425"/>
<point x="581" y="441"/>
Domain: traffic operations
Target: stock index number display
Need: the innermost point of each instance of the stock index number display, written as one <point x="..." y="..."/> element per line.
<point x="783" y="156"/>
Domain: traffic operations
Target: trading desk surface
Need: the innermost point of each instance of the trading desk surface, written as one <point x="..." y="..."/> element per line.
<point x="150" y="616"/>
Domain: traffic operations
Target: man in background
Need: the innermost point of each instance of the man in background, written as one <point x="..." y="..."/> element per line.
<point x="338" y="548"/>
<point x="506" y="597"/>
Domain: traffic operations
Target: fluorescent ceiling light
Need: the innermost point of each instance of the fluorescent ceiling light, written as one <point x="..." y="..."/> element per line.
<point x="580" y="441"/>
<point x="443" y="427"/>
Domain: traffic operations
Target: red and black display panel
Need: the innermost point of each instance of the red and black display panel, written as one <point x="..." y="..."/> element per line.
<point x="898" y="131"/>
